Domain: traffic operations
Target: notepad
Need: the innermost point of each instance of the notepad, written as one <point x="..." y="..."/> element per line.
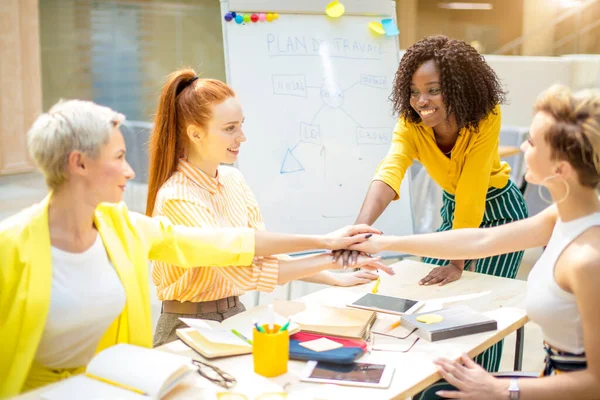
<point x="335" y="321"/>
<point x="213" y="339"/>
<point x="125" y="372"/>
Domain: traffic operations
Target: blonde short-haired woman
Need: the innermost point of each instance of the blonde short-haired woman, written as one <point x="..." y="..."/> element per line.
<point x="74" y="277"/>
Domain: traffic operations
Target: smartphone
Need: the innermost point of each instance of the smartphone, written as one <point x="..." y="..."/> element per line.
<point x="387" y="304"/>
<point x="355" y="374"/>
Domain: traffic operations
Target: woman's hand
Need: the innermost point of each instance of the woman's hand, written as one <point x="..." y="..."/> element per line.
<point x="367" y="263"/>
<point x="374" y="245"/>
<point x="359" y="277"/>
<point x="442" y="275"/>
<point x="348" y="257"/>
<point x="349" y="235"/>
<point x="470" y="380"/>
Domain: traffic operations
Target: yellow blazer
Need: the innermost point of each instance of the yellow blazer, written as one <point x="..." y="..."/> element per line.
<point x="130" y="240"/>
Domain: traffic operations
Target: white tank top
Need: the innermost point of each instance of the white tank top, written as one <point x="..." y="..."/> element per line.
<point x="87" y="296"/>
<point x="554" y="309"/>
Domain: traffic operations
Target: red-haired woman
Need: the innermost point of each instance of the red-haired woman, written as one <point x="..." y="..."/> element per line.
<point x="198" y="128"/>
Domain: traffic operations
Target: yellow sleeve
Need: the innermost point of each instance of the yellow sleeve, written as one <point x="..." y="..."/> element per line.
<point x="399" y="158"/>
<point x="473" y="184"/>
<point x="189" y="247"/>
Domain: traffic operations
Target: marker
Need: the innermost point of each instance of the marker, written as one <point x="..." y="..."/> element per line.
<point x="244" y="338"/>
<point x="376" y="287"/>
<point x="284" y="327"/>
<point x="259" y="328"/>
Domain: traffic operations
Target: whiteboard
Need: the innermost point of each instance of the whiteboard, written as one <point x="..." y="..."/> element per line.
<point x="315" y="94"/>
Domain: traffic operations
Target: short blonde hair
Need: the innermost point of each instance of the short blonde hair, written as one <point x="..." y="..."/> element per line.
<point x="575" y="134"/>
<point x="70" y="125"/>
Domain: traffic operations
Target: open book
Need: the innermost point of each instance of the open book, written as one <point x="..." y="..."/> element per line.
<point x="214" y="339"/>
<point x="125" y="372"/>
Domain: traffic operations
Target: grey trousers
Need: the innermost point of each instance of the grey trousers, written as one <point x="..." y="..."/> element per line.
<point x="168" y="323"/>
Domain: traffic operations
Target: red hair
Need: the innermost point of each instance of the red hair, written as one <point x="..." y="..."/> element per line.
<point x="181" y="104"/>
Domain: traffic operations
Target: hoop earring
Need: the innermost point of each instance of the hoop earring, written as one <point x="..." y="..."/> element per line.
<point x="567" y="190"/>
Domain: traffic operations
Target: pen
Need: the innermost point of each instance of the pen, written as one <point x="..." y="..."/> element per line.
<point x="284" y="327"/>
<point x="259" y="328"/>
<point x="376" y="287"/>
<point x="394" y="325"/>
<point x="120" y="385"/>
<point x="244" y="338"/>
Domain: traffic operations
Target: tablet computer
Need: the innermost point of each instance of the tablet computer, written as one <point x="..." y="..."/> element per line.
<point x="387" y="304"/>
<point x="355" y="374"/>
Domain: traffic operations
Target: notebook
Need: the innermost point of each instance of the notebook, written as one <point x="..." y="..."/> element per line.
<point x="125" y="372"/>
<point x="336" y="321"/>
<point x="213" y="339"/>
<point x="456" y="321"/>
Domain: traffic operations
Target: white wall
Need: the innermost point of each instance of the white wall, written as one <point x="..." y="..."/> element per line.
<point x="526" y="77"/>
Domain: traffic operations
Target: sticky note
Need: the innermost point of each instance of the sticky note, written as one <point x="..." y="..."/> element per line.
<point x="335" y="9"/>
<point x="430" y="318"/>
<point x="322" y="344"/>
<point x="376" y="27"/>
<point x="389" y="27"/>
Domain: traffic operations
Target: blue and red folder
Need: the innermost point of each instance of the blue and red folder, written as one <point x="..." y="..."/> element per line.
<point x="353" y="349"/>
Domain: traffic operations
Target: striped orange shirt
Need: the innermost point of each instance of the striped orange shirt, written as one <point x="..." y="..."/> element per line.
<point x="192" y="198"/>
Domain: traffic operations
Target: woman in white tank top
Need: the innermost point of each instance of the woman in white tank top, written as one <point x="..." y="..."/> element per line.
<point x="563" y="155"/>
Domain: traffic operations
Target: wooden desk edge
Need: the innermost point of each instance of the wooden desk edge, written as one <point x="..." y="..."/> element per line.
<point x="500" y="334"/>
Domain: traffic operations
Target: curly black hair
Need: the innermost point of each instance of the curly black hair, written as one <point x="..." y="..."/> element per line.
<point x="470" y="87"/>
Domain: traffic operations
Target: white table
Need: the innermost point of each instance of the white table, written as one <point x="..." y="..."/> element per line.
<point x="414" y="370"/>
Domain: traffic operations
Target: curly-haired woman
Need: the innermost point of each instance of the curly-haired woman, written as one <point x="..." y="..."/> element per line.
<point x="448" y="98"/>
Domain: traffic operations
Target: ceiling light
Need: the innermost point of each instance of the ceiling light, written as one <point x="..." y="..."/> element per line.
<point x="466" y="6"/>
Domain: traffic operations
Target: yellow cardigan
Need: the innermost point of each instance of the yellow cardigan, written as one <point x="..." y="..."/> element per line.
<point x="473" y="168"/>
<point x="130" y="240"/>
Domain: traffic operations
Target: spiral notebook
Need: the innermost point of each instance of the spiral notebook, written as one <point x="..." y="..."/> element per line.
<point x="213" y="339"/>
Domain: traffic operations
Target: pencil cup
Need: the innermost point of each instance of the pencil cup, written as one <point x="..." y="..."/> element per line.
<point x="271" y="351"/>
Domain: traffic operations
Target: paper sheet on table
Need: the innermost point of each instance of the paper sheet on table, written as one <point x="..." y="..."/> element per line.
<point x="321" y="344"/>
<point x="437" y="304"/>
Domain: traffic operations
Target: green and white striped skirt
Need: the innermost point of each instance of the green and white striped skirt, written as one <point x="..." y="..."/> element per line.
<point x="502" y="206"/>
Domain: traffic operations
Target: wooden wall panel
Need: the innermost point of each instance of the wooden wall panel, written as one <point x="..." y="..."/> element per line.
<point x="20" y="80"/>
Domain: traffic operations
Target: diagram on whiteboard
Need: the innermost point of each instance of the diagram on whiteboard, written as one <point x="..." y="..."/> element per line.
<point x="318" y="119"/>
<point x="332" y="96"/>
<point x="334" y="130"/>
